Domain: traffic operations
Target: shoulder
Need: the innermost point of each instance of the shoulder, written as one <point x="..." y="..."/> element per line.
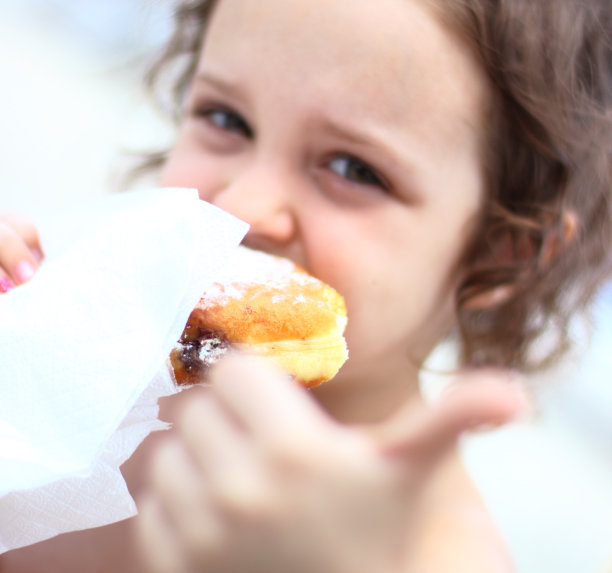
<point x="458" y="533"/>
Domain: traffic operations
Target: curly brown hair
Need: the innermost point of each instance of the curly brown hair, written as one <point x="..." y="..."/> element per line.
<point x="547" y="165"/>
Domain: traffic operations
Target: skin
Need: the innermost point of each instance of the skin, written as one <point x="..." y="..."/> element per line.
<point x="20" y="252"/>
<point x="259" y="478"/>
<point x="272" y="158"/>
<point x="357" y="156"/>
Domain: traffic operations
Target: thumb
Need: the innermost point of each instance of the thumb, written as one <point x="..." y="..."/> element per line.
<point x="474" y="400"/>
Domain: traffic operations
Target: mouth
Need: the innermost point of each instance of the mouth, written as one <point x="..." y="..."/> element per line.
<point x="267" y="306"/>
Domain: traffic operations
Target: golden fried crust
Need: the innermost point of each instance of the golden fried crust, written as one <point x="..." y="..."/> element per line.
<point x="267" y="313"/>
<point x="276" y="310"/>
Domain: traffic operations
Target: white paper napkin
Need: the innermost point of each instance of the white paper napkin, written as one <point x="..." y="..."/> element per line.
<point x="83" y="349"/>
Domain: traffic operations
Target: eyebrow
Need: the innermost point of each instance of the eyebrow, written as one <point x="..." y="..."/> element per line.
<point x="367" y="139"/>
<point x="358" y="137"/>
<point x="217" y="81"/>
<point x="333" y="127"/>
<point x="354" y="136"/>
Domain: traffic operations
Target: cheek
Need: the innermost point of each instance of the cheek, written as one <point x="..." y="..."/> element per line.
<point x="183" y="169"/>
<point x="397" y="315"/>
<point x="397" y="298"/>
<point x="354" y="268"/>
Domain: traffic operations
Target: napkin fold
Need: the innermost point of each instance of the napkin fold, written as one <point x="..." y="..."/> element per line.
<point x="83" y="350"/>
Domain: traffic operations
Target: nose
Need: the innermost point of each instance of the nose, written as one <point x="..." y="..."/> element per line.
<point x="262" y="197"/>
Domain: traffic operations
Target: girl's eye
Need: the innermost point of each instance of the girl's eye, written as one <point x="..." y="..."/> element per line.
<point x="228" y="121"/>
<point x="356" y="171"/>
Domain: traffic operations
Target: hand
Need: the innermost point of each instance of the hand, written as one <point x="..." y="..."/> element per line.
<point x="20" y="251"/>
<point x="260" y="479"/>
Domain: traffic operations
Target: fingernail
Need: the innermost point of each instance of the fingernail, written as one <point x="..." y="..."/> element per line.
<point x="492" y="426"/>
<point x="6" y="285"/>
<point x="526" y="410"/>
<point x="38" y="255"/>
<point x="24" y="271"/>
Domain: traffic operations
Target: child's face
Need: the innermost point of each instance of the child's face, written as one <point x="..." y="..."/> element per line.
<point x="348" y="134"/>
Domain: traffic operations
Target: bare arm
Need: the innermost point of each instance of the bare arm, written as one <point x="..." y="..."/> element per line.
<point x="457" y="532"/>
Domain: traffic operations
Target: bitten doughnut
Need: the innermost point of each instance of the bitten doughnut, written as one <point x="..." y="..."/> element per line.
<point x="266" y="306"/>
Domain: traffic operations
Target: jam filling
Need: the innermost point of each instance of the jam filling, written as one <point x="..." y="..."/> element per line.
<point x="197" y="350"/>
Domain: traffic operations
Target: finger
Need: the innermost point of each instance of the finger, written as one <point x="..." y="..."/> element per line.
<point x="6" y="283"/>
<point x="182" y="496"/>
<point x="156" y="540"/>
<point x="266" y="402"/>
<point x="225" y="456"/>
<point x="477" y="400"/>
<point x="16" y="259"/>
<point x="27" y="231"/>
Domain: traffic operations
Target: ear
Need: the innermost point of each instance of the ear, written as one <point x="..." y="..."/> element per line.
<point x="512" y="249"/>
<point x="555" y="243"/>
<point x="490" y="298"/>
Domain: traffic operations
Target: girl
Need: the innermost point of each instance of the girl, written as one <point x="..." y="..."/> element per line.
<point x="445" y="165"/>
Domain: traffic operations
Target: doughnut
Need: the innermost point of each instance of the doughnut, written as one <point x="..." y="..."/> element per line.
<point x="266" y="306"/>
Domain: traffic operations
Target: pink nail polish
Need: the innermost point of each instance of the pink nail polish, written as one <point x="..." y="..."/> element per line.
<point x="24" y="271"/>
<point x="6" y="285"/>
<point x="37" y="254"/>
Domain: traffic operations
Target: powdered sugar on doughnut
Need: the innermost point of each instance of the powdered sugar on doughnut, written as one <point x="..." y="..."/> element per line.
<point x="248" y="268"/>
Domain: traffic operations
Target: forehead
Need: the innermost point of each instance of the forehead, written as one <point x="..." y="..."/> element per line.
<point x="388" y="59"/>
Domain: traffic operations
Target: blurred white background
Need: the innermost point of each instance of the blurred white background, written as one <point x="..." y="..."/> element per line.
<point x="70" y="73"/>
<point x="71" y="101"/>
